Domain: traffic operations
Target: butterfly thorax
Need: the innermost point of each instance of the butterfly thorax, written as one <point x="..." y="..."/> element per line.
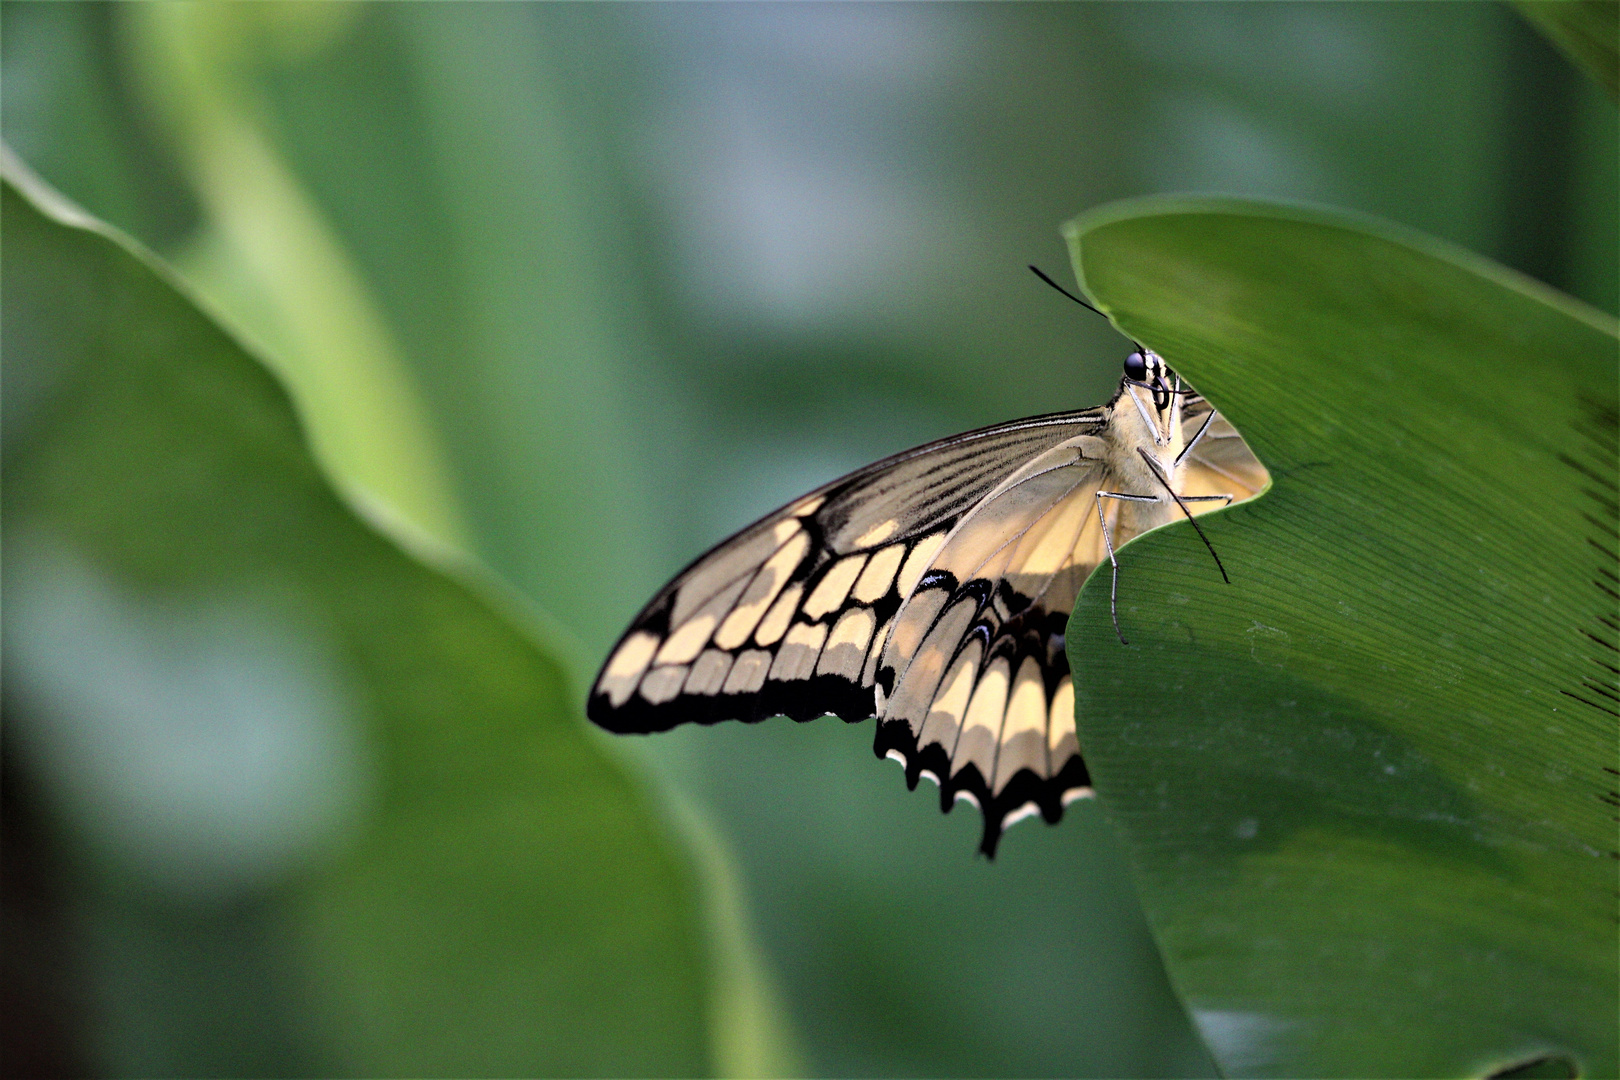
<point x="1143" y="423"/>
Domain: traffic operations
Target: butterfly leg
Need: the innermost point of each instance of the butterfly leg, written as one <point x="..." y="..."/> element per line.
<point x="1158" y="474"/>
<point x="1108" y="541"/>
<point x="1185" y="450"/>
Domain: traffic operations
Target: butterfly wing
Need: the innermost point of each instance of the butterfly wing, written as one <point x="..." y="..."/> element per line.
<point x="857" y="599"/>
<point x="1221" y="463"/>
<point x="973" y="685"/>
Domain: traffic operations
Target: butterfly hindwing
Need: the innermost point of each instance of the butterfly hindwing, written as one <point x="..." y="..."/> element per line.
<point x="974" y="684"/>
<point x="1221" y="463"/>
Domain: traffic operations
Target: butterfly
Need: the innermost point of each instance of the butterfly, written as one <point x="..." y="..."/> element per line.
<point x="931" y="591"/>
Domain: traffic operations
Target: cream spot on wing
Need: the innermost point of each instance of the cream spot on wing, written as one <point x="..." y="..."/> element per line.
<point x="834" y="586"/>
<point x="808" y="506"/>
<point x="968" y="797"/>
<point x="846" y="645"/>
<point x="629" y="660"/>
<point x="877" y="533"/>
<point x="1075" y="794"/>
<point x="945" y="715"/>
<point x="632" y="656"/>
<point x="761" y="591"/>
<point x="982" y="724"/>
<point x="895" y="755"/>
<point x="854" y="628"/>
<point x="922" y="553"/>
<point x="796" y="659"/>
<point x="910" y="624"/>
<point x="1026" y="711"/>
<point x="776" y="620"/>
<point x="662" y="683"/>
<point x="1014" y="816"/>
<point x="928" y="774"/>
<point x="709" y="673"/>
<point x="748" y="673"/>
<point x="1060" y="737"/>
<point x="1023" y="733"/>
<point x="684" y="644"/>
<point x="879" y="574"/>
<point x="989" y="702"/>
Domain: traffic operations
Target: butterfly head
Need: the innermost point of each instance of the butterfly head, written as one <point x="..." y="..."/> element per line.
<point x="1147" y="369"/>
<point x="1155" y="396"/>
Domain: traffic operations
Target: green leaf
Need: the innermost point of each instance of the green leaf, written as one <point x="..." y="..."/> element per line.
<point x="443" y="872"/>
<point x="1587" y="31"/>
<point x="269" y="262"/>
<point x="1369" y="787"/>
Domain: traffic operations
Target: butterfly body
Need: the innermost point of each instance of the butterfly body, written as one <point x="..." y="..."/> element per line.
<point x="1122" y="444"/>
<point x="931" y="590"/>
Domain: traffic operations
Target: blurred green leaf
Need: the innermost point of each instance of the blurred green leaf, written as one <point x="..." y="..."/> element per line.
<point x="510" y="904"/>
<point x="1588" y="31"/>
<point x="269" y="261"/>
<point x="1368" y="788"/>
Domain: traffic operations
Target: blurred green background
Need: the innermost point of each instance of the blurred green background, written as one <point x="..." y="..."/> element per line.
<point x="580" y="289"/>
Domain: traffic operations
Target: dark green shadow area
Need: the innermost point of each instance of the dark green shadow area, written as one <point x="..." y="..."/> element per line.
<point x="1368" y="788"/>
<point x="450" y="877"/>
<point x="1588" y="32"/>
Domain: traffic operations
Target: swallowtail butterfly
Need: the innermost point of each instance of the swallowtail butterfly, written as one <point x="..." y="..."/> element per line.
<point x="931" y="591"/>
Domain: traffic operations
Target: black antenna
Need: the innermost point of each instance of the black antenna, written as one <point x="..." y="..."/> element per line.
<point x="1042" y="275"/>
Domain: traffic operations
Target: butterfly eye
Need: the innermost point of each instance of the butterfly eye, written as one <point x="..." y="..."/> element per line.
<point x="1136" y="367"/>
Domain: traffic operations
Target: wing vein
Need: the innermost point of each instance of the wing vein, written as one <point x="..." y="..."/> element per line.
<point x="1080" y="529"/>
<point x="1204" y="462"/>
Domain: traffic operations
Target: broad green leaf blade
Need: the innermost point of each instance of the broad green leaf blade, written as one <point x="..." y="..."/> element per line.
<point x="254" y="711"/>
<point x="1369" y="787"/>
<point x="1588" y="32"/>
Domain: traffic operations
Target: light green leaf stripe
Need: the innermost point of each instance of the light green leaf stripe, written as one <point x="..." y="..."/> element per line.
<point x="269" y="261"/>
<point x="1369" y="787"/>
